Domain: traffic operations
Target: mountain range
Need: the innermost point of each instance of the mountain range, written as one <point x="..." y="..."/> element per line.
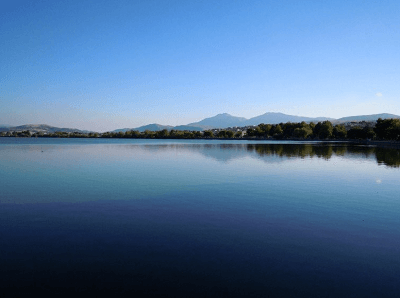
<point x="39" y="128"/>
<point x="219" y="121"/>
<point x="226" y="120"/>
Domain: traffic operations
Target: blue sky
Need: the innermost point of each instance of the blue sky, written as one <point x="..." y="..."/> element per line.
<point x="103" y="65"/>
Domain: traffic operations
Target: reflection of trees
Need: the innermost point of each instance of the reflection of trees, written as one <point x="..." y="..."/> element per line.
<point x="324" y="152"/>
<point x="292" y="150"/>
<point x="226" y="152"/>
<point x="339" y="150"/>
<point x="389" y="157"/>
<point x="360" y="151"/>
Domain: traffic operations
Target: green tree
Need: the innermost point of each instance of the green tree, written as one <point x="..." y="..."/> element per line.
<point x="197" y="134"/>
<point x="258" y="132"/>
<point x="148" y="134"/>
<point x="162" y="133"/>
<point x="288" y="129"/>
<point x="302" y="132"/>
<point x="250" y="132"/>
<point x="356" y="133"/>
<point x="276" y="130"/>
<point x="265" y="129"/>
<point x="369" y="133"/>
<point x="229" y="134"/>
<point x="222" y="134"/>
<point x="188" y="135"/>
<point x="325" y="130"/>
<point x="238" y="134"/>
<point x="339" y="131"/>
<point x="388" y="129"/>
<point x="135" y="134"/>
<point x="208" y="134"/>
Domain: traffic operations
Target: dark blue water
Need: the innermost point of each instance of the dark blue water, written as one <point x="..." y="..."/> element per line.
<point x="198" y="218"/>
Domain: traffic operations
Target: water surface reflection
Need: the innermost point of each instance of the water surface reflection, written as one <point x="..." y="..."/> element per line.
<point x="206" y="219"/>
<point x="228" y="152"/>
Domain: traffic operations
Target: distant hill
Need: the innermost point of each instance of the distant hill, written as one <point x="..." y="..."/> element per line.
<point x="158" y="127"/>
<point x="373" y="117"/>
<point x="275" y="118"/>
<point x="190" y="127"/>
<point x="43" y="128"/>
<point x="221" y="121"/>
<point x="151" y="127"/>
<point x="226" y="120"/>
<point x="4" y="127"/>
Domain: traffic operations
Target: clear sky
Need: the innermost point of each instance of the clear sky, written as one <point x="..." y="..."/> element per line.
<point x="102" y="65"/>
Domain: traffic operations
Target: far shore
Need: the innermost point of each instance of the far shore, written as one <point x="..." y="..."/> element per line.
<point x="376" y="143"/>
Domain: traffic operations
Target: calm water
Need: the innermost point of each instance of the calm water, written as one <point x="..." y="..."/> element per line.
<point x="198" y="218"/>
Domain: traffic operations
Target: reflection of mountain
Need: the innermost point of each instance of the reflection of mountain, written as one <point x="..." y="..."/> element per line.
<point x="225" y="152"/>
<point x="273" y="153"/>
<point x="219" y="152"/>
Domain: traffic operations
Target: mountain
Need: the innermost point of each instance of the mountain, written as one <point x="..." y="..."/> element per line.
<point x="275" y="118"/>
<point x="158" y="127"/>
<point x="220" y="121"/>
<point x="4" y="127"/>
<point x="190" y="127"/>
<point x="373" y="117"/>
<point x="151" y="127"/>
<point x="226" y="120"/>
<point x="43" y="128"/>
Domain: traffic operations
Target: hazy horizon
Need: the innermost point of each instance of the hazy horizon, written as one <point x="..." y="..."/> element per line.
<point x="187" y="124"/>
<point x="100" y="65"/>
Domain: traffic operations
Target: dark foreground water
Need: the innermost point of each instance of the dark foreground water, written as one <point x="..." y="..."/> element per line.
<point x="197" y="218"/>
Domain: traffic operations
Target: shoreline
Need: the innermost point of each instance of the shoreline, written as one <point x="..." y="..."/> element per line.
<point x="375" y="143"/>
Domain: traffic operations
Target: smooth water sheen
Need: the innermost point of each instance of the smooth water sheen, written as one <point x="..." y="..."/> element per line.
<point x="198" y="218"/>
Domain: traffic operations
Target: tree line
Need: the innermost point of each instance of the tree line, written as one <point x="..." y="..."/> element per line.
<point x="385" y="129"/>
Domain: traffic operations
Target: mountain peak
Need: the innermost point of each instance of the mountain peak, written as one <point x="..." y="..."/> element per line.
<point x="220" y="121"/>
<point x="274" y="113"/>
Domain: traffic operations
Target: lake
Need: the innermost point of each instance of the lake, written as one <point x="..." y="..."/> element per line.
<point x="198" y="218"/>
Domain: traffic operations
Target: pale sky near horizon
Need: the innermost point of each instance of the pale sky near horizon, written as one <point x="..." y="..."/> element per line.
<point x="102" y="65"/>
